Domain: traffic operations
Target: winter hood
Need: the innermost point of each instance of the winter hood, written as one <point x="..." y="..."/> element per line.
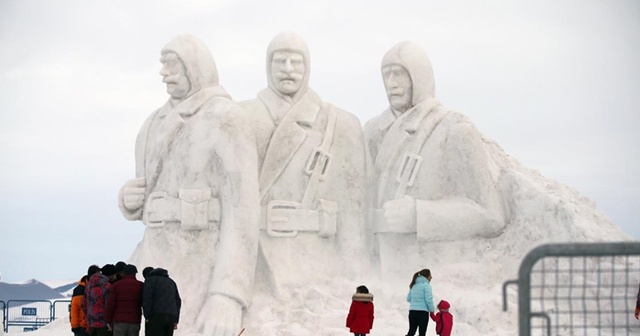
<point x="289" y="41"/>
<point x="197" y="60"/>
<point x="444" y="305"/>
<point x="410" y="56"/>
<point x="368" y="297"/>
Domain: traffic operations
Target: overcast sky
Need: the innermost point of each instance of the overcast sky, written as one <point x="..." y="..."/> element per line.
<point x="555" y="83"/>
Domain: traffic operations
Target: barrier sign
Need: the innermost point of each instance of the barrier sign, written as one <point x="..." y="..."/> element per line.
<point x="29" y="311"/>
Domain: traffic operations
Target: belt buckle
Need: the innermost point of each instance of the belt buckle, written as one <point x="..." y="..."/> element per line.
<point x="276" y="205"/>
<point x="319" y="159"/>
<point x="410" y="165"/>
<point x="150" y="209"/>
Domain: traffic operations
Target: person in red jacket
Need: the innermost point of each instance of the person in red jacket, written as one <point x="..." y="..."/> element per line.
<point x="360" y="318"/>
<point x="124" y="305"/>
<point x="443" y="319"/>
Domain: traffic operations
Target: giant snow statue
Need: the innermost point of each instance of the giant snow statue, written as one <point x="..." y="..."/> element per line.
<point x="312" y="175"/>
<point x="431" y="177"/>
<point x="196" y="191"/>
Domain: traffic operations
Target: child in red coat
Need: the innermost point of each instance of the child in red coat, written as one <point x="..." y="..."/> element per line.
<point x="443" y="319"/>
<point x="360" y="318"/>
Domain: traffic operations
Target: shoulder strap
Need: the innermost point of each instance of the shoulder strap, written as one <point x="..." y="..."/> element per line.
<point x="411" y="161"/>
<point x="318" y="164"/>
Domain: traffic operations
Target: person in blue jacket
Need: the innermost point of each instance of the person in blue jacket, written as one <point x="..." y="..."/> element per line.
<point x="420" y="298"/>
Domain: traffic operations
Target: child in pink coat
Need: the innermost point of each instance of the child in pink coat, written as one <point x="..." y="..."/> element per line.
<point x="443" y="319"/>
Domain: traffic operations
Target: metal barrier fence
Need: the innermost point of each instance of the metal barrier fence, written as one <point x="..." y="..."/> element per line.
<point x="29" y="315"/>
<point x="578" y="289"/>
<point x="4" y="316"/>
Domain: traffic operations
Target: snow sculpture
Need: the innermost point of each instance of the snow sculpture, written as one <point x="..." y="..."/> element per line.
<point x="312" y="175"/>
<point x="196" y="191"/>
<point x="432" y="177"/>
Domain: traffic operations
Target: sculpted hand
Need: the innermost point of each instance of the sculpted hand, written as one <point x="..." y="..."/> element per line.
<point x="400" y="214"/>
<point x="220" y="316"/>
<point x="133" y="193"/>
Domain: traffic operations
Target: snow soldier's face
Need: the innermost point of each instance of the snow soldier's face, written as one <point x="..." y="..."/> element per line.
<point x="287" y="71"/>
<point x="397" y="83"/>
<point x="174" y="75"/>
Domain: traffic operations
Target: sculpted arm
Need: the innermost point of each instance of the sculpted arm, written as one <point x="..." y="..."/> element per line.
<point x="230" y="289"/>
<point x="472" y="206"/>
<point x="239" y="230"/>
<point x="349" y="164"/>
<point x="131" y="196"/>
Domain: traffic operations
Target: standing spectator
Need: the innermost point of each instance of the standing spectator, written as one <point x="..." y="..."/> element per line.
<point x="146" y="271"/>
<point x="360" y="318"/>
<point x="110" y="271"/>
<point x="120" y="269"/>
<point x="95" y="300"/>
<point x="124" y="306"/>
<point x="637" y="312"/>
<point x="420" y="298"/>
<point x="443" y="319"/>
<point x="160" y="303"/>
<point x="77" y="316"/>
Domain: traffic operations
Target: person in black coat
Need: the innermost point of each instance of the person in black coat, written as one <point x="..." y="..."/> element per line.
<point x="160" y="303"/>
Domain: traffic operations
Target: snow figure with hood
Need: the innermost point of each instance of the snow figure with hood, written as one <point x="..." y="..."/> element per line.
<point x="431" y="177"/>
<point x="196" y="191"/>
<point x="312" y="175"/>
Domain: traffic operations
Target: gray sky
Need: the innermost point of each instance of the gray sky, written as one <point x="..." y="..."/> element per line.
<point x="555" y="83"/>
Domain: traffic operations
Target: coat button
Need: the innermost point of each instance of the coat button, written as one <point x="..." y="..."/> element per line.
<point x="195" y="198"/>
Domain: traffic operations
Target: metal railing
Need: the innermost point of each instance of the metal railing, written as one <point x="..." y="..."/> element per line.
<point x="3" y="307"/>
<point x="578" y="289"/>
<point x="29" y="314"/>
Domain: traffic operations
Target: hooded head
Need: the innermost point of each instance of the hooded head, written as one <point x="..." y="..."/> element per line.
<point x="288" y="65"/>
<point x="187" y="56"/>
<point x="443" y="305"/>
<point x="407" y="57"/>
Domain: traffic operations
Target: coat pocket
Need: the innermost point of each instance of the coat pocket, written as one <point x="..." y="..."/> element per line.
<point x="194" y="205"/>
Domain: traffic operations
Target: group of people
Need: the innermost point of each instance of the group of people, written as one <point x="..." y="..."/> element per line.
<point x="420" y="298"/>
<point x="111" y="301"/>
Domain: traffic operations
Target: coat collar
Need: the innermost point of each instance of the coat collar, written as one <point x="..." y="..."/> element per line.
<point x="279" y="106"/>
<point x="291" y="131"/>
<point x="398" y="131"/>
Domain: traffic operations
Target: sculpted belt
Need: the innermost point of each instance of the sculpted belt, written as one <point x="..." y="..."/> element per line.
<point x="194" y="209"/>
<point x="287" y="218"/>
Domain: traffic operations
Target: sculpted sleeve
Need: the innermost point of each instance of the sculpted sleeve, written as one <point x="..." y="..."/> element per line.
<point x="235" y="264"/>
<point x="466" y="203"/>
<point x="140" y="151"/>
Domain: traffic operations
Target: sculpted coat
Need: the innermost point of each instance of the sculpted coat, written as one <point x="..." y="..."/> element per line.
<point x="197" y="181"/>
<point x="312" y="174"/>
<point x="431" y="177"/>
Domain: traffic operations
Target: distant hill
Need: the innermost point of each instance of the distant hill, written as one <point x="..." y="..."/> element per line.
<point x="28" y="290"/>
<point x="66" y="290"/>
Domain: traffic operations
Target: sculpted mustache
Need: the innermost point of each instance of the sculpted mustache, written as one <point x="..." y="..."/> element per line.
<point x="395" y="93"/>
<point x="170" y="79"/>
<point x="285" y="76"/>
